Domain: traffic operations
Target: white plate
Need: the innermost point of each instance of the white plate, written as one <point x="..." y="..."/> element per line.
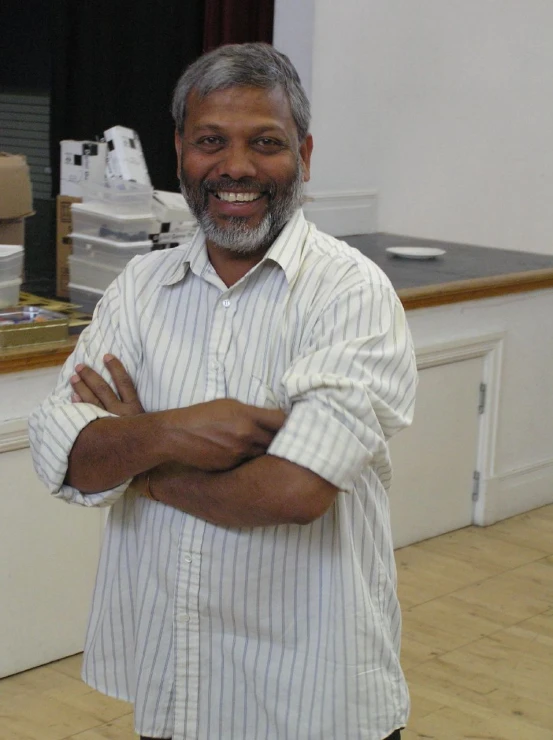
<point x="416" y="253"/>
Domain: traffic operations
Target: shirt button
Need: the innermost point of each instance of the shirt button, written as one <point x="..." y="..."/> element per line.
<point x="185" y="617"/>
<point x="214" y="364"/>
<point x="226" y="303"/>
<point x="188" y="558"/>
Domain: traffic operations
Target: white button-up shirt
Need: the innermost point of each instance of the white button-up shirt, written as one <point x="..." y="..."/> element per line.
<point x="279" y="633"/>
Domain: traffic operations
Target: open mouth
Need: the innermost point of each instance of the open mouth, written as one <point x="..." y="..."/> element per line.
<point x="237" y="197"/>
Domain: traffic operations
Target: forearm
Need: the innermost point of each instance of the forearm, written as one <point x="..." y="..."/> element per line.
<point x="216" y="435"/>
<point x="110" y="450"/>
<point x="261" y="492"/>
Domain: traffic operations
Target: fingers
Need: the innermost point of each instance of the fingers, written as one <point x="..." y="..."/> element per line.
<point x="121" y="378"/>
<point x="263" y="438"/>
<point x="269" y="419"/>
<point x="92" y="388"/>
<point x="82" y="394"/>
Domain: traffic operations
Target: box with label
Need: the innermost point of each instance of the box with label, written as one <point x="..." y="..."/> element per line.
<point x="64" y="227"/>
<point x="81" y="162"/>
<point x="125" y="156"/>
<point x="16" y="200"/>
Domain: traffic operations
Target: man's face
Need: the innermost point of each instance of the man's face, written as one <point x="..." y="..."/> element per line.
<point x="241" y="165"/>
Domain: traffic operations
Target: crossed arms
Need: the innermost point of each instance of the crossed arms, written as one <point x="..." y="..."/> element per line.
<point x="208" y="460"/>
<point x="349" y="387"/>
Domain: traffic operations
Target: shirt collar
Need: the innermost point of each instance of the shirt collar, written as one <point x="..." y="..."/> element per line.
<point x="192" y="256"/>
<point x="285" y="251"/>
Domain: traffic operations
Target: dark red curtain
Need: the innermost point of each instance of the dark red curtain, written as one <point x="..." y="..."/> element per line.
<point x="237" y="22"/>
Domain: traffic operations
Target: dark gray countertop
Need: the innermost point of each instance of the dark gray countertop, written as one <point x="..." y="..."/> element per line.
<point x="460" y="262"/>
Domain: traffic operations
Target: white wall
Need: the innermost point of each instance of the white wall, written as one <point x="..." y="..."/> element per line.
<point x="444" y="108"/>
<point x="293" y="35"/>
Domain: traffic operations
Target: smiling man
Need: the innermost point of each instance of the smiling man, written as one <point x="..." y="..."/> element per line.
<point x="231" y="402"/>
<point x="242" y="173"/>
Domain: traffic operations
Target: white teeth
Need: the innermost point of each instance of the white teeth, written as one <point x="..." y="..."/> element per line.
<point x="240" y="197"/>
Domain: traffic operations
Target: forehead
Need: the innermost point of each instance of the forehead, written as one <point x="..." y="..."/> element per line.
<point x="249" y="106"/>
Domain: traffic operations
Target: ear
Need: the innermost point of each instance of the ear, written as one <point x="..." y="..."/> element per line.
<point x="306" y="147"/>
<point x="178" y="149"/>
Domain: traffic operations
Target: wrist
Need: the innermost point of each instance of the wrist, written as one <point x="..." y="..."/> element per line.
<point x="146" y="487"/>
<point x="160" y="434"/>
<point x="172" y="440"/>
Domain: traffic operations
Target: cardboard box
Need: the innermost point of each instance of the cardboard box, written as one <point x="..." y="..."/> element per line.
<point x="12" y="232"/>
<point x="64" y="246"/>
<point x="125" y="156"/>
<point x="16" y="198"/>
<point x="81" y="162"/>
<point x="174" y="221"/>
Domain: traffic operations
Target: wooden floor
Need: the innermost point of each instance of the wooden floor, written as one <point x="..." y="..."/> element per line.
<point x="477" y="647"/>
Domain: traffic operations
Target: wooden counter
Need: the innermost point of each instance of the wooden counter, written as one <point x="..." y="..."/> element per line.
<point x="474" y="289"/>
<point x="465" y="273"/>
<point x="36" y="356"/>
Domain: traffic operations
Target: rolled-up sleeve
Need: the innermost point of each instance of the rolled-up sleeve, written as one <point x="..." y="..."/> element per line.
<point x="55" y="425"/>
<point x="352" y="387"/>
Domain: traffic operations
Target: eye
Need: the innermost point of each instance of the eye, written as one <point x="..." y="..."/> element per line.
<point x="268" y="144"/>
<point x="210" y="143"/>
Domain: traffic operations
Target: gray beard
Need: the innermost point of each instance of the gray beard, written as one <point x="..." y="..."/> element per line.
<point x="236" y="235"/>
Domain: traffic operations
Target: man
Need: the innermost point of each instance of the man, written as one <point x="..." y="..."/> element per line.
<point x="249" y="382"/>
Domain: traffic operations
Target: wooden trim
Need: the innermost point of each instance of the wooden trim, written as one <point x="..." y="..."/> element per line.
<point x="475" y="289"/>
<point x="464" y="348"/>
<point x="428" y="296"/>
<point x="35" y="357"/>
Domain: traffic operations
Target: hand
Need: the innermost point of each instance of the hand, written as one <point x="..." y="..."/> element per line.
<point x="90" y="387"/>
<point x="209" y="436"/>
<point x="220" y="434"/>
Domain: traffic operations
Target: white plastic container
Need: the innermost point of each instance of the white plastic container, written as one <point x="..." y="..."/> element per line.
<point x="11" y="262"/>
<point x="84" y="297"/>
<point x="93" y="219"/>
<point x="108" y="251"/>
<point x="182" y="232"/>
<point x="92" y="273"/>
<point x="9" y="292"/>
<point x="119" y="197"/>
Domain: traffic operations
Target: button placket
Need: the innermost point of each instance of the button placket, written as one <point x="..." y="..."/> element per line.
<point x="187" y="626"/>
<point x="220" y="339"/>
<point x="214" y="367"/>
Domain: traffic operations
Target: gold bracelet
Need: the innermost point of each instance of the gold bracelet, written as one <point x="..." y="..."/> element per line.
<point x="147" y="492"/>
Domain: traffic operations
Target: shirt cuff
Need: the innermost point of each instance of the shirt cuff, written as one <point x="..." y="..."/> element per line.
<point x="314" y="439"/>
<point x="64" y="424"/>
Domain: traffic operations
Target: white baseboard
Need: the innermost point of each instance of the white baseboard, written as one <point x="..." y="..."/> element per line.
<point x="517" y="491"/>
<point x="13" y="435"/>
<point x="343" y="214"/>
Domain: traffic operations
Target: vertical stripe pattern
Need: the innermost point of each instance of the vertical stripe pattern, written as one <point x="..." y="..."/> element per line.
<point x="288" y="632"/>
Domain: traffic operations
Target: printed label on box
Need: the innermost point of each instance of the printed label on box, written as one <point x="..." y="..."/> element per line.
<point x="81" y="162"/>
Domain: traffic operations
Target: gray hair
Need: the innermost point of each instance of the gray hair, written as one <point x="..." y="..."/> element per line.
<point x="243" y="65"/>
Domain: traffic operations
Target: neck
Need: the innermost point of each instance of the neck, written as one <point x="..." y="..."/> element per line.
<point x="232" y="266"/>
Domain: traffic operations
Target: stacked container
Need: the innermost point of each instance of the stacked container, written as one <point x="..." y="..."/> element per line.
<point x="110" y="227"/>
<point x="11" y="268"/>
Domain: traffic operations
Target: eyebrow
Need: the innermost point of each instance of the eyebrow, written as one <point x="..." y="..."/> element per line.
<point x="262" y="129"/>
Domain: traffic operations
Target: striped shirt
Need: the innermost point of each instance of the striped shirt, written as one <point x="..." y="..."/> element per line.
<point x="286" y="632"/>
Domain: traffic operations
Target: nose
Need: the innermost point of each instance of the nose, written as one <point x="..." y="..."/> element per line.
<point x="237" y="162"/>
